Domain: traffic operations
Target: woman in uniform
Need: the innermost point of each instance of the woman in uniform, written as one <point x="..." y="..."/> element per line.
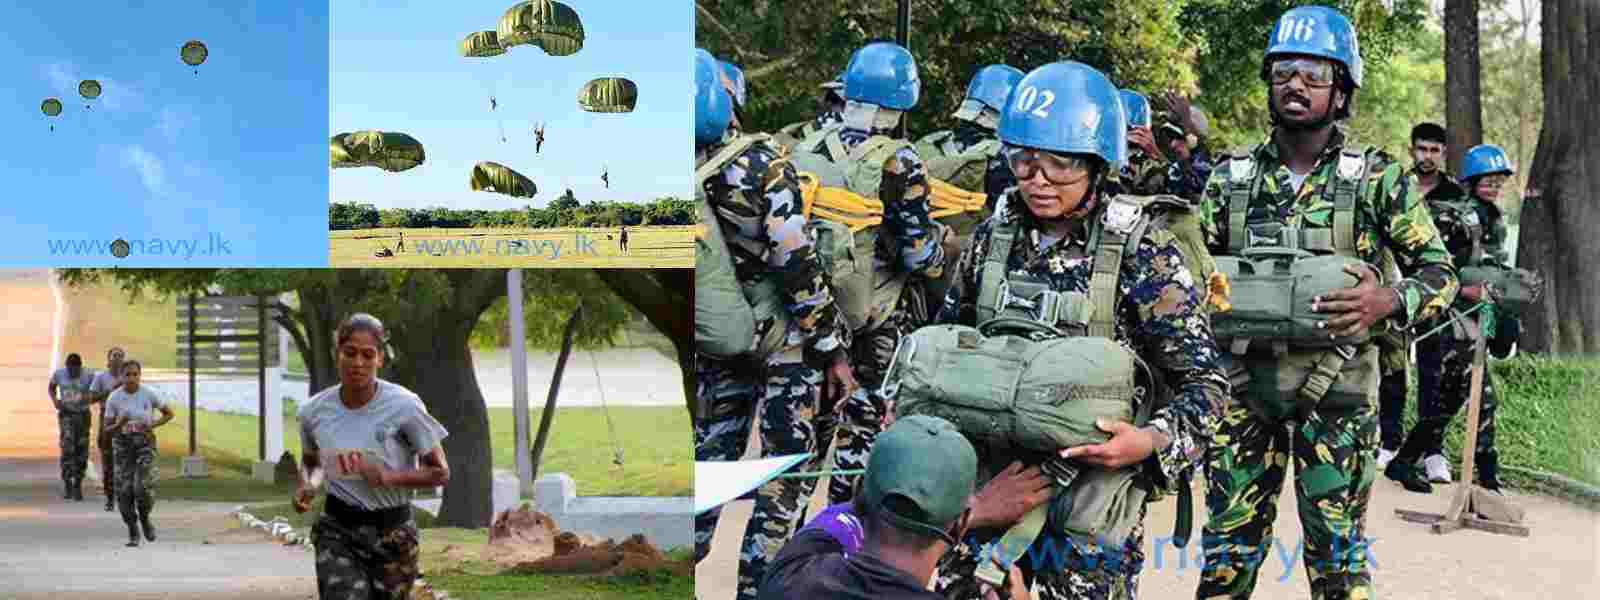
<point x="371" y="442"/>
<point x="129" y="417"/>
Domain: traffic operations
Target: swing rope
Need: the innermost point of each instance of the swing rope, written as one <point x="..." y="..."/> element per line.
<point x="606" y="410"/>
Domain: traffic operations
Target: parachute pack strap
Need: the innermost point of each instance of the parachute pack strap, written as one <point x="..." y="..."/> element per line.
<point x="1475" y="231"/>
<point x="1350" y="174"/>
<point x="1013" y="543"/>
<point x="1323" y="374"/>
<point x="835" y="146"/>
<point x="720" y="160"/>
<point x="1238" y="190"/>
<point x="1118" y="233"/>
<point x="948" y="199"/>
<point x="992" y="280"/>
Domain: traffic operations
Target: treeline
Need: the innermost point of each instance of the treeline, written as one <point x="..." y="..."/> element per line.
<point x="564" y="212"/>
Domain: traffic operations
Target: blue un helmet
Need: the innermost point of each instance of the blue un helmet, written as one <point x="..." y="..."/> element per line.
<point x="736" y="76"/>
<point x="884" y="74"/>
<point x="1485" y="159"/>
<point x="1135" y="107"/>
<point x="1066" y="107"/>
<point x="989" y="88"/>
<point x="1316" y="31"/>
<point x="713" y="108"/>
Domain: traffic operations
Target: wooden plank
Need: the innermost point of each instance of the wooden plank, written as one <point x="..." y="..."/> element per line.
<point x="203" y="316"/>
<point x="214" y="351"/>
<point x="1470" y="440"/>
<point x="1418" y="517"/>
<point x="247" y="366"/>
<point x="1443" y="527"/>
<point x="250" y="337"/>
<point x="203" y="301"/>
<point x="226" y="357"/>
<point x="1496" y="527"/>
<point x="1494" y="508"/>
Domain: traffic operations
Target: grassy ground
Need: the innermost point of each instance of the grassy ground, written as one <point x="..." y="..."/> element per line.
<point x="655" y="442"/>
<point x="655" y="247"/>
<point x="481" y="580"/>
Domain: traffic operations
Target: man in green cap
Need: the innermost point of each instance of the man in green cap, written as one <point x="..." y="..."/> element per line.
<point x="914" y="502"/>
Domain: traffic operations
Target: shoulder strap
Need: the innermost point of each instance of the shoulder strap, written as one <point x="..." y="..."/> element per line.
<point x="1239" y="190"/>
<point x="1350" y="177"/>
<point x="992" y="278"/>
<point x="720" y="160"/>
<point x="1117" y="234"/>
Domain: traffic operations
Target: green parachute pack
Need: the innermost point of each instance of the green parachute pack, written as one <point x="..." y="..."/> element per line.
<point x="1042" y="367"/>
<point x="1515" y="290"/>
<point x="732" y="320"/>
<point x="1271" y="273"/>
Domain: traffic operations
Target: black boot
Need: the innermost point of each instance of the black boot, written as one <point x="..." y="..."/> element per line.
<point x="111" y="504"/>
<point x="149" y="530"/>
<point x="66" y="489"/>
<point x="77" y="490"/>
<point x="1409" y="476"/>
<point x="133" y="535"/>
<point x="1489" y="476"/>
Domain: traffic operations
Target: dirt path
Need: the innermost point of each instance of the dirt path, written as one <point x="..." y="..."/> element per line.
<point x="1559" y="560"/>
<point x="50" y="547"/>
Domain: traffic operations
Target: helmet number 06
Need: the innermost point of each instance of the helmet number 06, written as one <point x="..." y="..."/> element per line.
<point x="1029" y="95"/>
<point x="1299" y="30"/>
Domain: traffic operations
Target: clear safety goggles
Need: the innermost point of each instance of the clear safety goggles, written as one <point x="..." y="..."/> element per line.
<point x="1057" y="168"/>
<point x="1313" y="72"/>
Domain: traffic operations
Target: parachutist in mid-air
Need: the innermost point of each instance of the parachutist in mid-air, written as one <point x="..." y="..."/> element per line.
<point x="605" y="176"/>
<point x="492" y="104"/>
<point x="538" y="143"/>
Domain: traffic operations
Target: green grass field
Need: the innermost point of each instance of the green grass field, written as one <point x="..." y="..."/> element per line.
<point x="654" y="247"/>
<point x="657" y="459"/>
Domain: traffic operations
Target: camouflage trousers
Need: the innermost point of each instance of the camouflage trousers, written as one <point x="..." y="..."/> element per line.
<point x="729" y="393"/>
<point x="1053" y="567"/>
<point x="136" y="474"/>
<point x="364" y="562"/>
<point x="863" y="411"/>
<point x="74" y="427"/>
<point x="108" y="465"/>
<point x="1444" y="385"/>
<point x="1392" y="409"/>
<point x="1334" y="454"/>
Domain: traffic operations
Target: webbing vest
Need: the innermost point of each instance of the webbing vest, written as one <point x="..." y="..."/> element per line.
<point x="1465" y="214"/>
<point x="1240" y="188"/>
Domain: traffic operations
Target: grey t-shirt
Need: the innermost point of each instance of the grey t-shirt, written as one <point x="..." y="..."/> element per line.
<point x="72" y="393"/>
<point x="104" y="381"/>
<point x="138" y="407"/>
<point x="394" y="425"/>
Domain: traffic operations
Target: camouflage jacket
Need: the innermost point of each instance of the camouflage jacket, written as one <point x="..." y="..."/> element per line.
<point x="756" y="183"/>
<point x="1159" y="316"/>
<point x="1146" y="178"/>
<point x="1187" y="178"/>
<point x="1390" y="215"/>
<point x="904" y="193"/>
<point x="1462" y="219"/>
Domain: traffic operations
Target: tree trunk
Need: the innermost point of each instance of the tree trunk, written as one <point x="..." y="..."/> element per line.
<point x="1463" y="98"/>
<point x="664" y="296"/>
<point x="1561" y="207"/>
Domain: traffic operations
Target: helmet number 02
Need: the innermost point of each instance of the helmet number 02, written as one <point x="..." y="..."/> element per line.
<point x="1299" y="30"/>
<point x="1029" y="95"/>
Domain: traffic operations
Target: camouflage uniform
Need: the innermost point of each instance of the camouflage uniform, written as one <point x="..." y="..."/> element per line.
<point x="74" y="426"/>
<point x="904" y="193"/>
<point x="136" y="475"/>
<point x="1333" y="449"/>
<point x="1396" y="359"/>
<point x="1145" y="177"/>
<point x="759" y="186"/>
<point x="364" y="562"/>
<point x="1444" y="360"/>
<point x="1160" y="317"/>
<point x="992" y="180"/>
<point x="1187" y="178"/>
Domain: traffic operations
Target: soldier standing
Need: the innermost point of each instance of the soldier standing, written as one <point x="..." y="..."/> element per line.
<point x="69" y="391"/>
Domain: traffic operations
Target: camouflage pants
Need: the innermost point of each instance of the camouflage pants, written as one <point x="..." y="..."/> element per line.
<point x="74" y="428"/>
<point x="108" y="465"/>
<point x="1053" y="567"/>
<point x="870" y="355"/>
<point x="1444" y="385"/>
<point x="1392" y="409"/>
<point x="364" y="562"/>
<point x="1334" y="454"/>
<point x="136" y="474"/>
<point x="788" y="395"/>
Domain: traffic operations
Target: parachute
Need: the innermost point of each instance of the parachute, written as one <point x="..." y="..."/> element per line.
<point x="498" y="178"/>
<point x="51" y="107"/>
<point x="89" y="89"/>
<point x="392" y="152"/>
<point x="193" y="53"/>
<point x="608" y="95"/>
<point x="483" y="44"/>
<point x="547" y="24"/>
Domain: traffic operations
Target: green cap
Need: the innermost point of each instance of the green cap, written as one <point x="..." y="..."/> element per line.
<point x="926" y="461"/>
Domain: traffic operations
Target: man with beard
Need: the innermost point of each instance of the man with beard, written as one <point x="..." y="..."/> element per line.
<point x="1436" y="185"/>
<point x="1309" y="190"/>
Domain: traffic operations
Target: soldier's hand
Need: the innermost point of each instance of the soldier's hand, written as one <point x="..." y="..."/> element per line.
<point x="303" y="497"/>
<point x="1128" y="445"/>
<point x="840" y="382"/>
<point x="1141" y="137"/>
<point x="1472" y="293"/>
<point x="1015" y="587"/>
<point x="372" y="471"/>
<point x="1358" y="307"/>
<point x="1009" y="496"/>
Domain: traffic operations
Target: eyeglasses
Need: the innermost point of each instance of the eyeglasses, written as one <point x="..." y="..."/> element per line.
<point x="1315" y="73"/>
<point x="1058" y="169"/>
<point x="1494" y="181"/>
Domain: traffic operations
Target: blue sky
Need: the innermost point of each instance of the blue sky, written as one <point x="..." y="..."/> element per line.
<point x="235" y="153"/>
<point x="397" y="66"/>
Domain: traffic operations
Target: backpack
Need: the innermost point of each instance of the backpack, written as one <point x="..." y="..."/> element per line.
<point x="1271" y="285"/>
<point x="1515" y="290"/>
<point x="1011" y="391"/>
<point x="732" y="320"/>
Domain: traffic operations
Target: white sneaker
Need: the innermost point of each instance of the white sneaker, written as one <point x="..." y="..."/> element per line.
<point x="1438" y="469"/>
<point x="1384" y="456"/>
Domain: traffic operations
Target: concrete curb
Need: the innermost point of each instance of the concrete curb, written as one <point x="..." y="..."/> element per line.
<point x="667" y="522"/>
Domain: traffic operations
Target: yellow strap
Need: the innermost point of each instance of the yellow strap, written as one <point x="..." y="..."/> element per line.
<point x="837" y="205"/>
<point x="945" y="196"/>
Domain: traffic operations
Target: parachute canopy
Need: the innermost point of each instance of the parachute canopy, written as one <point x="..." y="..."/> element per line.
<point x="393" y="152"/>
<point x="608" y="95"/>
<point x="51" y="107"/>
<point x="544" y="23"/>
<point x="495" y="177"/>
<point x="194" y="52"/>
<point x="89" y="89"/>
<point x="482" y="44"/>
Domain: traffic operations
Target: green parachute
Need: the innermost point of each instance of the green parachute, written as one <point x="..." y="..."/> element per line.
<point x="194" y="53"/>
<point x="482" y="44"/>
<point x="498" y="178"/>
<point x="550" y="25"/>
<point x="608" y="95"/>
<point x="51" y="107"/>
<point x="89" y="89"/>
<point x="390" y="151"/>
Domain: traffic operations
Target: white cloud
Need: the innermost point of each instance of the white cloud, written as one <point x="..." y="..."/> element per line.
<point x="171" y="123"/>
<point x="149" y="167"/>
